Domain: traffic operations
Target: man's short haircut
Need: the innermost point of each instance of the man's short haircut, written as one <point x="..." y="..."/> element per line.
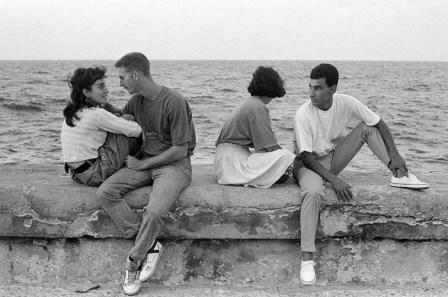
<point x="134" y="61"/>
<point x="266" y="82"/>
<point x="327" y="71"/>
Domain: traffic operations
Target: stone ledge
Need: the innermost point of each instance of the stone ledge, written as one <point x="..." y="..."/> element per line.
<point x="41" y="201"/>
<point x="245" y="263"/>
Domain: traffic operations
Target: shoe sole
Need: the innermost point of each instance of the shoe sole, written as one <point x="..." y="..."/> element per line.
<point x="410" y="186"/>
<point x="308" y="283"/>
<point x="131" y="294"/>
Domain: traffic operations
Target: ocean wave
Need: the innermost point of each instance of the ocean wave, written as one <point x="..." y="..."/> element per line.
<point x="404" y="136"/>
<point x="426" y="86"/>
<point x="202" y="97"/>
<point x="396" y="123"/>
<point x="410" y="89"/>
<point x="37" y="81"/>
<point x="226" y="90"/>
<point x="229" y="79"/>
<point x="437" y="160"/>
<point x="24" y="107"/>
<point x="419" y="151"/>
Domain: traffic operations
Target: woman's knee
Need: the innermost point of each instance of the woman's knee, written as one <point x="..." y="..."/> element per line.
<point x="105" y="195"/>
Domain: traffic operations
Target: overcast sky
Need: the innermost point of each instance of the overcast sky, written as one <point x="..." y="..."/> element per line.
<point x="410" y="30"/>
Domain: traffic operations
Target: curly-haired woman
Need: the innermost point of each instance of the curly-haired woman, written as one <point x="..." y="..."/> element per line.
<point x="94" y="141"/>
<point x="247" y="151"/>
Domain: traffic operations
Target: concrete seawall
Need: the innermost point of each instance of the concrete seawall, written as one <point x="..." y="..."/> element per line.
<point x="52" y="229"/>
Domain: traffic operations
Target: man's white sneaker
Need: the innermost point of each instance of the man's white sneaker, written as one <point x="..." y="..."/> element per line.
<point x="131" y="284"/>
<point x="409" y="182"/>
<point x="150" y="263"/>
<point x="307" y="274"/>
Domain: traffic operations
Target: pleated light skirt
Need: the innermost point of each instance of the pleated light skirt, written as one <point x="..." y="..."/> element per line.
<point x="237" y="165"/>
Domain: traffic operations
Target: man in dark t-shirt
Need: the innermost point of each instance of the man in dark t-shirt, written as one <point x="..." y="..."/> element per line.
<point x="164" y="161"/>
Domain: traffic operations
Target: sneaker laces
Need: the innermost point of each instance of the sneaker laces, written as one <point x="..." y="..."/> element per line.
<point x="308" y="263"/>
<point x="131" y="276"/>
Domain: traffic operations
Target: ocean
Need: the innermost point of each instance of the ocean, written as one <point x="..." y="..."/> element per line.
<point x="411" y="97"/>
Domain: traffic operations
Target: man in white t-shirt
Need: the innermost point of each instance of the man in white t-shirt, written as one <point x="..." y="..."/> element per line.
<point x="330" y="129"/>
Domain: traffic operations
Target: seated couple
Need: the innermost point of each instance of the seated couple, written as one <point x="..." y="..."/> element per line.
<point x="329" y="130"/>
<point x="104" y="147"/>
<point x="147" y="142"/>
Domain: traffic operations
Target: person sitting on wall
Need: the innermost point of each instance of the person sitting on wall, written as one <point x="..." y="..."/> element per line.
<point x="330" y="129"/>
<point x="94" y="141"/>
<point x="249" y="126"/>
<point x="164" y="162"/>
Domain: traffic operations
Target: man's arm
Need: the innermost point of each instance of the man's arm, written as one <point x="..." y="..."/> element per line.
<point x="271" y="148"/>
<point x="397" y="163"/>
<point x="341" y="188"/>
<point x="112" y="109"/>
<point x="174" y="153"/>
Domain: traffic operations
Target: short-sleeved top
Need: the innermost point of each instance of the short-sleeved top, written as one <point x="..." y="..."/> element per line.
<point x="249" y="125"/>
<point x="166" y="121"/>
<point x="82" y="141"/>
<point x="319" y="131"/>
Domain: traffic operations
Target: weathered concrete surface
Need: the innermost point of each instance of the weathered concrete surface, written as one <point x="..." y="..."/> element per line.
<point x="20" y="290"/>
<point x="41" y="201"/>
<point x="240" y="263"/>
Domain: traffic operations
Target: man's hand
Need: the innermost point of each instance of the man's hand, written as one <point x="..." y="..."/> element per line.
<point x="112" y="109"/>
<point x="133" y="163"/>
<point x="342" y="190"/>
<point x="128" y="117"/>
<point x="398" y="166"/>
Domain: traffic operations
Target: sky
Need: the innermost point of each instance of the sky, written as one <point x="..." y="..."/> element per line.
<point x="386" y="30"/>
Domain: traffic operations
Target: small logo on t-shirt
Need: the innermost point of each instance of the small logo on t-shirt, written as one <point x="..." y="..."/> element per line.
<point x="150" y="134"/>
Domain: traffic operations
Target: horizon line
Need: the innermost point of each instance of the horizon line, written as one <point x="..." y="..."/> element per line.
<point x="220" y="60"/>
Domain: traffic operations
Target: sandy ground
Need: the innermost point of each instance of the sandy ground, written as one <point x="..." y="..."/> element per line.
<point x="19" y="290"/>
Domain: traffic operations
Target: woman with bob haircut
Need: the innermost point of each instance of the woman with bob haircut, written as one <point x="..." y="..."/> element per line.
<point x="95" y="142"/>
<point x="247" y="151"/>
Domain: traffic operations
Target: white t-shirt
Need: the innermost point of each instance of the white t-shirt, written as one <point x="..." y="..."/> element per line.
<point x="319" y="131"/>
<point x="82" y="141"/>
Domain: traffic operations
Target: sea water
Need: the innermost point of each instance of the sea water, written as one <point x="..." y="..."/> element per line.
<point x="411" y="97"/>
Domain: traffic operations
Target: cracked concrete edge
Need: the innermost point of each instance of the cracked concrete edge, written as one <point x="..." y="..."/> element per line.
<point x="202" y="222"/>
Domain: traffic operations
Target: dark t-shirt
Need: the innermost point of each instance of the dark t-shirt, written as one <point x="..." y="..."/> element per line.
<point x="249" y="125"/>
<point x="165" y="120"/>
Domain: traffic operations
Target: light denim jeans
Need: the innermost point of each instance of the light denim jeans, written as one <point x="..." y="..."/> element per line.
<point x="167" y="181"/>
<point x="111" y="156"/>
<point x="312" y="185"/>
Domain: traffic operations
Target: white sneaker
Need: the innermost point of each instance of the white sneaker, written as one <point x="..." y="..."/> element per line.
<point x="409" y="182"/>
<point x="307" y="274"/>
<point x="131" y="285"/>
<point x="150" y="263"/>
